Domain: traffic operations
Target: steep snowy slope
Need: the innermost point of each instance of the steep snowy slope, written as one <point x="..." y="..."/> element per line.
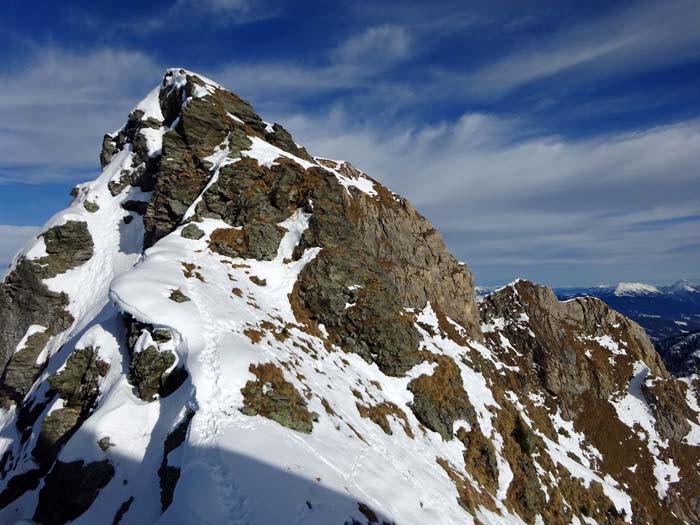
<point x="225" y="329"/>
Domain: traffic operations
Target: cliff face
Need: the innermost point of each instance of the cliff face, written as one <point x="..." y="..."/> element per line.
<point x="600" y="370"/>
<point x="224" y="328"/>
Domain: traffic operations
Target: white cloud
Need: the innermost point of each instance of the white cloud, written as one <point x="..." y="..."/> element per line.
<point x="356" y="62"/>
<point x="59" y="105"/>
<point x="216" y="7"/>
<point x="642" y="37"/>
<point x="384" y="43"/>
<point x="212" y="12"/>
<point x="12" y="238"/>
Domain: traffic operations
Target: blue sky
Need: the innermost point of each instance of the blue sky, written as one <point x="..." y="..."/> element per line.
<point x="557" y="141"/>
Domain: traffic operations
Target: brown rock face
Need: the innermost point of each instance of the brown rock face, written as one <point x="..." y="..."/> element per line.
<point x="556" y="336"/>
<point x="420" y="266"/>
<point x="586" y="358"/>
<point x="378" y="253"/>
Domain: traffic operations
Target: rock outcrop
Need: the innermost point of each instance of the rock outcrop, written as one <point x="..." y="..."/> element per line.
<point x="26" y="301"/>
<point x="600" y="371"/>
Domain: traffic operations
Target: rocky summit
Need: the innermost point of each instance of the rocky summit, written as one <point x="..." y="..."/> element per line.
<point x="223" y="328"/>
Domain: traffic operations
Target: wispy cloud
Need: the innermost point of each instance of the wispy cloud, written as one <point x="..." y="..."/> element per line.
<point x="641" y="37"/>
<point x="57" y="107"/>
<point x="353" y="63"/>
<point x="213" y="13"/>
<point x="216" y="7"/>
<point x="383" y="43"/>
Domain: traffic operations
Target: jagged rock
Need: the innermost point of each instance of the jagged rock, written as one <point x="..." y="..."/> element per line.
<point x="439" y="399"/>
<point x="22" y="369"/>
<point x="147" y="371"/>
<point x="178" y="296"/>
<point x="77" y="383"/>
<point x="90" y="206"/>
<point x="168" y="474"/>
<point x="666" y="400"/>
<point x="273" y="397"/>
<point x="70" y="489"/>
<point x="78" y="386"/>
<point x="25" y="300"/>
<point x="67" y="246"/>
<point x="56" y="429"/>
<point x="138" y="207"/>
<point x="192" y="231"/>
<point x="202" y="126"/>
<point x="281" y="138"/>
<point x="246" y="194"/>
<point x="109" y="148"/>
<point x="258" y="241"/>
<point x="417" y="259"/>
<point x="180" y="181"/>
<point x="556" y="336"/>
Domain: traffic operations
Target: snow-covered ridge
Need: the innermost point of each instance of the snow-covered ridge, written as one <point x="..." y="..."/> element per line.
<point x="623" y="289"/>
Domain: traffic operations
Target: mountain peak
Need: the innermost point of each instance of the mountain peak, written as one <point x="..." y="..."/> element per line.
<point x="627" y="288"/>
<point x="683" y="286"/>
<point x="223" y="328"/>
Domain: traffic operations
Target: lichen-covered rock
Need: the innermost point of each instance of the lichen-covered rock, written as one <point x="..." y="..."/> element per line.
<point x="192" y="231"/>
<point x="90" y="206"/>
<point x="77" y="385"/>
<point x="56" y="429"/>
<point x="67" y="246"/>
<point x="70" y="489"/>
<point x="25" y="300"/>
<point x="203" y="124"/>
<point x="439" y="399"/>
<point x="667" y="401"/>
<point x="375" y="327"/>
<point x="257" y="241"/>
<point x="417" y="260"/>
<point x="23" y="369"/>
<point x="148" y="371"/>
<point x="178" y="296"/>
<point x="273" y="397"/>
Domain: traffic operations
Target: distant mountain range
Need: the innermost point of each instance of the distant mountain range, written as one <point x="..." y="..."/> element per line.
<point x="664" y="312"/>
